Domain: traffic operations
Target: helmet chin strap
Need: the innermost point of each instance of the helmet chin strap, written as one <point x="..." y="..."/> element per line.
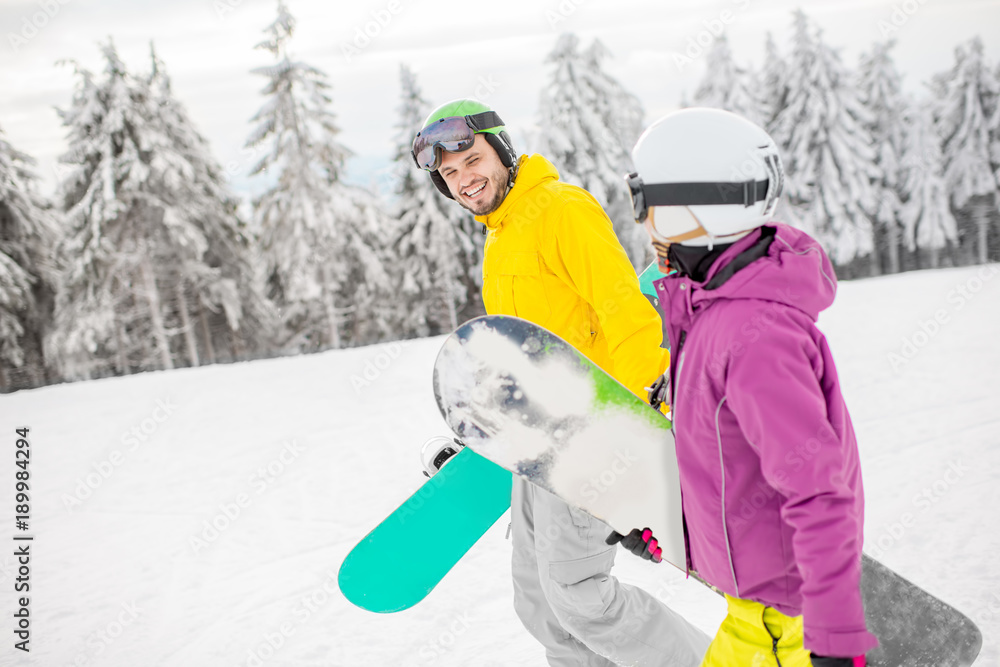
<point x="511" y="176"/>
<point x="661" y="244"/>
<point x="662" y="256"/>
<point x="681" y="222"/>
<point x="693" y="234"/>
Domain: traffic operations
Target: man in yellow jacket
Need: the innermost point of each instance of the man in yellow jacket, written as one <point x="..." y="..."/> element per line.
<point x="551" y="257"/>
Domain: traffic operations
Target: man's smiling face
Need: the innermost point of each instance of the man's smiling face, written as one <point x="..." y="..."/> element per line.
<point x="475" y="177"/>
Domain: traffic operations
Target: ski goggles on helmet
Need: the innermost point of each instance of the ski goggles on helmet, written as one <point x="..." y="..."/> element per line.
<point x="645" y="196"/>
<point x="453" y="134"/>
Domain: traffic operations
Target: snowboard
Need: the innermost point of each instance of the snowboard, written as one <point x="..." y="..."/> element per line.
<point x="524" y="398"/>
<point x="650" y="275"/>
<point x="403" y="558"/>
<point x="469" y="499"/>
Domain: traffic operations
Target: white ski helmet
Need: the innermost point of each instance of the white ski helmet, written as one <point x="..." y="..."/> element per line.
<point x="709" y="163"/>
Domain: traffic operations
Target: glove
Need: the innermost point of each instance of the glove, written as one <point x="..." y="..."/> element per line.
<point x="640" y="542"/>
<point x="823" y="661"/>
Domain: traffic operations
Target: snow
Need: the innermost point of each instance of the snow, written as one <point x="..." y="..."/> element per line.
<point x="295" y="459"/>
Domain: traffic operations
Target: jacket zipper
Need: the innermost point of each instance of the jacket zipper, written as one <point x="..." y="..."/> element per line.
<point x="774" y="641"/>
<point x="680" y="362"/>
<point x="673" y="428"/>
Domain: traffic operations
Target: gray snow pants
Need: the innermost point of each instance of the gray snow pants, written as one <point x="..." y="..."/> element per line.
<point x="568" y="600"/>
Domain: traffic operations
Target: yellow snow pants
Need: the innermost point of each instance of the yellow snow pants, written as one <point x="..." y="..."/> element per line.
<point x="753" y="635"/>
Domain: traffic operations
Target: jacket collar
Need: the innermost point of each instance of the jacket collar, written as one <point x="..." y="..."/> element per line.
<point x="775" y="263"/>
<point x="532" y="170"/>
<point x="750" y="253"/>
<point x="682" y="293"/>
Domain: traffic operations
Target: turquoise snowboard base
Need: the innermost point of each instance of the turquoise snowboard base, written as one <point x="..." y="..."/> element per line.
<point x="397" y="564"/>
<point x="649" y="276"/>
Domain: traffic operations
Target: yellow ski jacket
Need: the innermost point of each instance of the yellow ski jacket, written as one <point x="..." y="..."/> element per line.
<point x="552" y="257"/>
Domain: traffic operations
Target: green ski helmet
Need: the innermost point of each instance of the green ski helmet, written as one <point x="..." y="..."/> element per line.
<point x="452" y="127"/>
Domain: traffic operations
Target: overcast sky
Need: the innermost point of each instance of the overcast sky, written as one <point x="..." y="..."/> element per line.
<point x="494" y="51"/>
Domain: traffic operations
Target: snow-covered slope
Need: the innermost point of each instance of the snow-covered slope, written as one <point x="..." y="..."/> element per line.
<point x="198" y="517"/>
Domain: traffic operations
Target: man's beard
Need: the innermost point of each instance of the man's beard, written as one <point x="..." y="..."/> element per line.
<point x="499" y="181"/>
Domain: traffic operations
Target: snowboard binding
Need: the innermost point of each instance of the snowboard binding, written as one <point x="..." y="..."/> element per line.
<point x="437" y="451"/>
<point x="659" y="393"/>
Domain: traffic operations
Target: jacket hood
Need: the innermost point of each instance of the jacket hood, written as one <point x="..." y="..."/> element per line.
<point x="532" y="170"/>
<point x="795" y="271"/>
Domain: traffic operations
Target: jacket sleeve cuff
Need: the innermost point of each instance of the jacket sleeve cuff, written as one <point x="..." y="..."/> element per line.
<point x="839" y="643"/>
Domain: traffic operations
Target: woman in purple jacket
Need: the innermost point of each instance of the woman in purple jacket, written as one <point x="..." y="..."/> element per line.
<point x="770" y="475"/>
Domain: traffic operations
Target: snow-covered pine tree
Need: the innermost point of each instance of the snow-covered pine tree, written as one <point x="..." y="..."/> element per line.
<point x="28" y="235"/>
<point x="109" y="313"/>
<point x="152" y="235"/>
<point x="928" y="223"/>
<point x="826" y="149"/>
<point x="994" y="127"/>
<point x="774" y="85"/>
<point x="967" y="103"/>
<point x="622" y="109"/>
<point x="437" y="246"/>
<point x="727" y="85"/>
<point x="588" y="125"/>
<point x="879" y="83"/>
<point x="320" y="238"/>
<point x="216" y="297"/>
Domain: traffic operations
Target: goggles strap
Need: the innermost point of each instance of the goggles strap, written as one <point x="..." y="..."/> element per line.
<point x="485" y="120"/>
<point x="747" y="193"/>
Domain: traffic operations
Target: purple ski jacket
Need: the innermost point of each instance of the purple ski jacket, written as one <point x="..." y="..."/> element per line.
<point x="769" y="467"/>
